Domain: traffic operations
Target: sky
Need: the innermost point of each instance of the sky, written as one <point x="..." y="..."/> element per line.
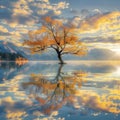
<point x="97" y="21"/>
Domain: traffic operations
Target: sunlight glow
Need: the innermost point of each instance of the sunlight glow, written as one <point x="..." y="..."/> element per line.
<point x="117" y="72"/>
<point x="116" y="50"/>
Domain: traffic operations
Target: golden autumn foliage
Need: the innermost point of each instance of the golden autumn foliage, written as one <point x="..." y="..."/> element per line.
<point x="56" y="35"/>
<point x="21" y="61"/>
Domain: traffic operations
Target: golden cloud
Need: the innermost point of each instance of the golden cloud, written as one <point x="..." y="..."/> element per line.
<point x="21" y="8"/>
<point x="3" y="29"/>
<point x="7" y="100"/>
<point x="106" y="24"/>
<point x="44" y="7"/>
<point x="2" y="37"/>
<point x="47" y="1"/>
<point x="13" y="24"/>
<point x="62" y="5"/>
<point x="101" y="21"/>
<point x="42" y="12"/>
<point x="57" y="12"/>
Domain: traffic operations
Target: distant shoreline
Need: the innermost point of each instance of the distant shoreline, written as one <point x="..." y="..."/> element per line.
<point x="67" y="61"/>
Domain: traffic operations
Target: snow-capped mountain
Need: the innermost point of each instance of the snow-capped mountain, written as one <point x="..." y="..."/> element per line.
<point x="7" y="47"/>
<point x="10" y="50"/>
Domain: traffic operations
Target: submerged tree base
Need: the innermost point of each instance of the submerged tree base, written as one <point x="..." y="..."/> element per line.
<point x="60" y="60"/>
<point x="62" y="63"/>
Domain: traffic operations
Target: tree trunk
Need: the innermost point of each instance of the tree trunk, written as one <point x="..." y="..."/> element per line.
<point x="60" y="58"/>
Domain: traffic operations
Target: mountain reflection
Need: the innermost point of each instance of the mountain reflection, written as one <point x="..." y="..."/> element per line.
<point x="53" y="93"/>
<point x="8" y="70"/>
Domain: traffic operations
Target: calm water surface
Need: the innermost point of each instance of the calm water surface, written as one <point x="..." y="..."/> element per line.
<point x="49" y="91"/>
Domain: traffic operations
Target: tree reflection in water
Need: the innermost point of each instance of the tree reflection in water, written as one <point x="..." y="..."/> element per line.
<point x="53" y="93"/>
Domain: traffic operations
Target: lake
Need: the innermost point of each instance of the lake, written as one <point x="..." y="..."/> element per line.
<point x="77" y="90"/>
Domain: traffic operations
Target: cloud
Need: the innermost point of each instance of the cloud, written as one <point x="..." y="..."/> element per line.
<point x="98" y="40"/>
<point x="2" y="7"/>
<point x="106" y="24"/>
<point x="3" y="29"/>
<point x="101" y="54"/>
<point x="16" y="13"/>
<point x="75" y="12"/>
<point x="47" y="1"/>
<point x="85" y="13"/>
<point x="97" y="24"/>
<point x="44" y="8"/>
<point x="75" y="21"/>
<point x="23" y="11"/>
<point x="97" y="11"/>
<point x="96" y="53"/>
<point x="62" y="5"/>
<point x="4" y="33"/>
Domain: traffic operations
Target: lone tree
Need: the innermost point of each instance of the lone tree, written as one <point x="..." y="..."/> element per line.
<point x="56" y="35"/>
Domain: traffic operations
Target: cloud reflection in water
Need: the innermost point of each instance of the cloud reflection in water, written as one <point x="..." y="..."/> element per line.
<point x="43" y="90"/>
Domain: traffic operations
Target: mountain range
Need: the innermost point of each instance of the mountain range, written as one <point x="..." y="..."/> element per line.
<point x="9" y="51"/>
